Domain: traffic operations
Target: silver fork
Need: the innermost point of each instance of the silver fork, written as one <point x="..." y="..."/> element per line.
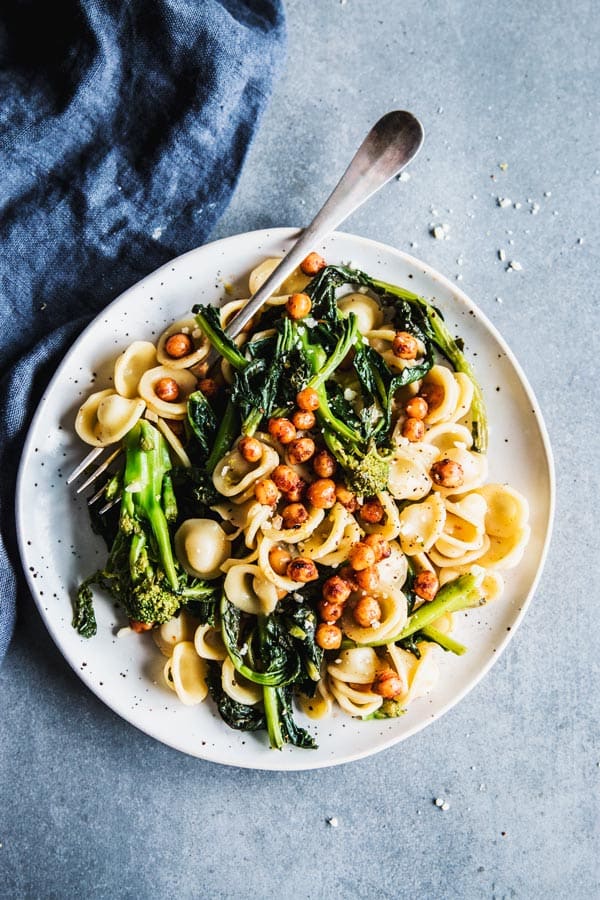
<point x="388" y="147"/>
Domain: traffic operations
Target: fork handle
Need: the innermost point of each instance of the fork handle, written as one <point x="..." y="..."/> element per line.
<point x="388" y="147"/>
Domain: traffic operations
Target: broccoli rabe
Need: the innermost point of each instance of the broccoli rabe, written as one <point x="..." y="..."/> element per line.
<point x="141" y="572"/>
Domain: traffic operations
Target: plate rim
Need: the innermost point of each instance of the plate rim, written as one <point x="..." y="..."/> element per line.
<point x="295" y="761"/>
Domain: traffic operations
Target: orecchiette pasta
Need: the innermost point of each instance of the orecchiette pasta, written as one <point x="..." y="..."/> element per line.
<point x="327" y="514"/>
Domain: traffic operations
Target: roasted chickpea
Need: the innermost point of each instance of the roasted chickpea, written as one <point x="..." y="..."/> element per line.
<point x="378" y="545"/>
<point x="367" y="579"/>
<point x="433" y="394"/>
<point x="279" y="559"/>
<point x="413" y="429"/>
<point x="298" y="306"/>
<point x="361" y="556"/>
<point x="300" y="450"/>
<point x="372" y="511"/>
<point x="179" y="345"/>
<point x="348" y="575"/>
<point x="285" y="478"/>
<point x="366" y="612"/>
<point x="139" y="627"/>
<point x="250" y="448"/>
<point x="266" y="492"/>
<point x="416" y="408"/>
<point x="294" y="515"/>
<point x="303" y="570"/>
<point x="209" y="387"/>
<point x="447" y="473"/>
<point x="346" y="498"/>
<point x="330" y="612"/>
<point x="321" y="493"/>
<point x="328" y="637"/>
<point x="312" y="264"/>
<point x="426" y="585"/>
<point x="336" y="590"/>
<point x="307" y="399"/>
<point x="405" y="345"/>
<point x="282" y="430"/>
<point x="388" y="684"/>
<point x="167" y="389"/>
<point x="324" y="464"/>
<point x="297" y="493"/>
<point x="303" y="420"/>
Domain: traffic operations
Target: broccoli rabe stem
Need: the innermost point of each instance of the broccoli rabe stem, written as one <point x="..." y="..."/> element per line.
<point x="443" y="640"/>
<point x="146" y="463"/>
<point x="226" y="432"/>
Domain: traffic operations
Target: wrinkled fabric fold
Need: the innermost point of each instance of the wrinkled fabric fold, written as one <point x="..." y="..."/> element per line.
<point x="123" y="131"/>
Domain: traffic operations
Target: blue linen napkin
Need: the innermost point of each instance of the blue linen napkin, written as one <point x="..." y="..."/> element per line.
<point x="123" y="130"/>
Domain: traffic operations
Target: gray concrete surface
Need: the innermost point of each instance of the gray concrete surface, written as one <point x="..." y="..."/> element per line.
<point x="89" y="807"/>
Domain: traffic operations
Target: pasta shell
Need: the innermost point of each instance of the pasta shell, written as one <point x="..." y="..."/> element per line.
<point x="293" y="284"/>
<point x="201" y="344"/>
<point x="421" y="524"/>
<point x="188" y="672"/>
<point x="366" y="309"/>
<point x="186" y="382"/>
<point x="202" y="546"/>
<point x="106" y="417"/>
<point x="131" y="365"/>
<point x="239" y="688"/>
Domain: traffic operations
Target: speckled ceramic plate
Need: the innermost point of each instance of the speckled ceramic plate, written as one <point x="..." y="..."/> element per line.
<point x="58" y="548"/>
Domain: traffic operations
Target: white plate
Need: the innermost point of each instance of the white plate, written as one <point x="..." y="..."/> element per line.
<point x="58" y="548"/>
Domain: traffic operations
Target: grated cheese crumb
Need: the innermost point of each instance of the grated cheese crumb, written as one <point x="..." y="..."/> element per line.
<point x="501" y="255"/>
<point x="333" y="821"/>
<point x="503" y="202"/>
<point x="515" y="266"/>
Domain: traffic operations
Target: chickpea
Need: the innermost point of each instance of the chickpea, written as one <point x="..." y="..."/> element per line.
<point x="312" y="264"/>
<point x="426" y="585"/>
<point x="328" y="637"/>
<point x="348" y="575"/>
<point x="367" y="579"/>
<point x="266" y="492"/>
<point x="413" y="429"/>
<point x="388" y="684"/>
<point x="330" y="612"/>
<point x="209" y="387"/>
<point x="447" y="473"/>
<point x="307" y="399"/>
<point x="294" y="515"/>
<point x="378" y="545"/>
<point x="282" y="430"/>
<point x="324" y="464"/>
<point x="279" y="560"/>
<point x="416" y="408"/>
<point x="361" y="556"/>
<point x="336" y="590"/>
<point x="298" y="306"/>
<point x="304" y="419"/>
<point x="303" y="570"/>
<point x="139" y="627"/>
<point x="372" y="511"/>
<point x="321" y="493"/>
<point x="297" y="493"/>
<point x="405" y="345"/>
<point x="366" y="612"/>
<point x="167" y="389"/>
<point x="250" y="448"/>
<point x="346" y="498"/>
<point x="285" y="478"/>
<point x="300" y="450"/>
<point x="433" y="394"/>
<point x="179" y="345"/>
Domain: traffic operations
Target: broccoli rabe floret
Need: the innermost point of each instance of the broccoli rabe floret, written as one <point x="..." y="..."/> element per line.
<point x="365" y="474"/>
